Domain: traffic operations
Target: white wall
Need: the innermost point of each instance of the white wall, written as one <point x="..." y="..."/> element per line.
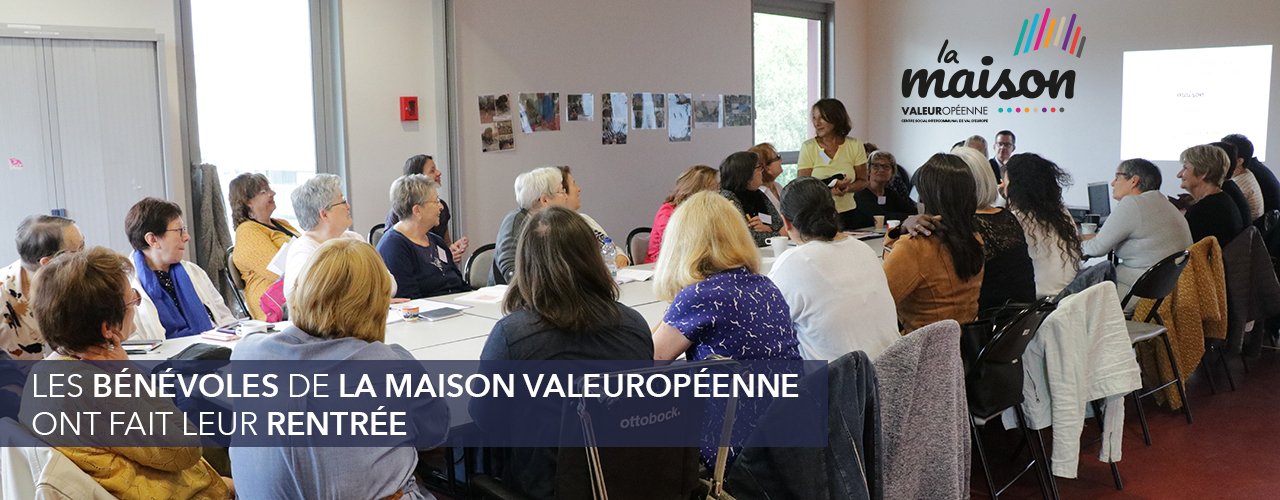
<point x="597" y="46"/>
<point x="1085" y="139"/>
<point x="157" y="15"/>
<point x="389" y="50"/>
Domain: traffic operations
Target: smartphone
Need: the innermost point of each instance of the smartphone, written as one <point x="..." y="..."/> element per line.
<point x="831" y="181"/>
<point x="439" y="314"/>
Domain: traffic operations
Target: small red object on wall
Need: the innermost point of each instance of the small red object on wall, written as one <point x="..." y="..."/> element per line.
<point x="409" y="109"/>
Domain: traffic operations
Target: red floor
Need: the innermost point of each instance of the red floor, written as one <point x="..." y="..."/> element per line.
<point x="1231" y="451"/>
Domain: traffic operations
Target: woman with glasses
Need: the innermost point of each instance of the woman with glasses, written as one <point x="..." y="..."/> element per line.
<point x="770" y="165"/>
<point x="179" y="299"/>
<point x="420" y="260"/>
<point x="324" y="213"/>
<point x="740" y="181"/>
<point x="86" y="309"/>
<point x="832" y="152"/>
<point x="878" y="198"/>
<point x="1142" y="228"/>
<point x="425" y="165"/>
<point x="258" y="236"/>
<point x="535" y="190"/>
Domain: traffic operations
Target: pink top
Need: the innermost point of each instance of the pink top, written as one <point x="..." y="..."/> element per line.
<point x="659" y="226"/>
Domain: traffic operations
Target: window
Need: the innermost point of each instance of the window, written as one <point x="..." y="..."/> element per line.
<point x="792" y="71"/>
<point x="256" y="91"/>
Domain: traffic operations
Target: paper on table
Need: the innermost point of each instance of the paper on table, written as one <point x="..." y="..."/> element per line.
<point x="628" y="275"/>
<point x="487" y="295"/>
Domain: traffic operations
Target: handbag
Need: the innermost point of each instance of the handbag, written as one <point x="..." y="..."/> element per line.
<point x="273" y="303"/>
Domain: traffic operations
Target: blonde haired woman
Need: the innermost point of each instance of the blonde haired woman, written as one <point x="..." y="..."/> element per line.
<point x="770" y="165"/>
<point x="695" y="180"/>
<point x="720" y="304"/>
<point x="338" y="308"/>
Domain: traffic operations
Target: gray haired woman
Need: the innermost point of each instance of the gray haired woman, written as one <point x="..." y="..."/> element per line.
<point x="421" y="261"/>
<point x="324" y="214"/>
<point x="535" y="190"/>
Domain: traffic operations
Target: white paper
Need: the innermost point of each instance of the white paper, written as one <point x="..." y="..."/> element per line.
<point x="277" y="264"/>
<point x="487" y="295"/>
<point x="626" y="275"/>
<point x="765" y="218"/>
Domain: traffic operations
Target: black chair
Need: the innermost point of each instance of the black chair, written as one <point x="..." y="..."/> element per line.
<point x="1156" y="284"/>
<point x="375" y="233"/>
<point x="638" y="245"/>
<point x="476" y="270"/>
<point x="992" y="351"/>
<point x="232" y="274"/>
<point x="585" y="471"/>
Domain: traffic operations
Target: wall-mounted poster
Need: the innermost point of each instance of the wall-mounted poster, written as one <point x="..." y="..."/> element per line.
<point x="679" y="118"/>
<point x="737" y="110"/>
<point x="495" y="123"/>
<point x="580" y="107"/>
<point x="649" y="111"/>
<point x="539" y="112"/>
<point x="497" y="136"/>
<point x="613" y="118"/>
<point x="706" y="111"/>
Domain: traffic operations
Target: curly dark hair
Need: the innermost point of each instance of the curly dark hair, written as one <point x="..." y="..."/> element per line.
<point x="1035" y="191"/>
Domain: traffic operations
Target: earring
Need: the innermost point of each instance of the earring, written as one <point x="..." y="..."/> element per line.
<point x="111" y="347"/>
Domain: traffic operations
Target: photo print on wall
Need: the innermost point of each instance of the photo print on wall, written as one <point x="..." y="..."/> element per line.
<point x="649" y="111"/>
<point x="495" y="123"/>
<point x="614" y="124"/>
<point x="580" y="107"/>
<point x="539" y="112"/>
<point x="706" y="111"/>
<point x="679" y="118"/>
<point x="737" y="111"/>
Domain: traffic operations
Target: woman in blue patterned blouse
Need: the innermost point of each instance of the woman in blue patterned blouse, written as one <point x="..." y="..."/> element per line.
<point x="708" y="268"/>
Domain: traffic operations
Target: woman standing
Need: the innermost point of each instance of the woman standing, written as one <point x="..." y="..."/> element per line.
<point x="258" y="236"/>
<point x="832" y="152"/>
<point x="695" y="180"/>
<point x="939" y="277"/>
<point x="1034" y="187"/>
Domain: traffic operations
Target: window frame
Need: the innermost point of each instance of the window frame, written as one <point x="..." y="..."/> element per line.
<point x="824" y="13"/>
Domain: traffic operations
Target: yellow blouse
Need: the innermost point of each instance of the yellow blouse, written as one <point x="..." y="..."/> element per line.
<point x="256" y="244"/>
<point x="850" y="154"/>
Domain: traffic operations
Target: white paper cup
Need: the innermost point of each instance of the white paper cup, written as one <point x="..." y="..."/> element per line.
<point x="1088" y="228"/>
<point x="893" y="223"/>
<point x="879" y="222"/>
<point x="779" y="244"/>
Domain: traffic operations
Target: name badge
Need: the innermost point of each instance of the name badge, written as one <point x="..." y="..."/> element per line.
<point x="882" y="200"/>
<point x="443" y="256"/>
<point x="765" y="219"/>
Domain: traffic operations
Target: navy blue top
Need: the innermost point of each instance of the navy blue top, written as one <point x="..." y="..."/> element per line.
<point x="420" y="271"/>
<point x="737" y="314"/>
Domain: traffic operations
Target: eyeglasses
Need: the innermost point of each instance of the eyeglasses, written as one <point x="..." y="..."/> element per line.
<point x="433" y="202"/>
<point x="775" y="158"/>
<point x="183" y="229"/>
<point x="267" y="191"/>
<point x="136" y="300"/>
<point x="882" y="166"/>
<point x="343" y="202"/>
<point x="1004" y="144"/>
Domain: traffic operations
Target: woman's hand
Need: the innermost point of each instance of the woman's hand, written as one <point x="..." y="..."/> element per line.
<point x="842" y="187"/>
<point x="927" y="224"/>
<point x="757" y="226"/>
<point x="458" y="248"/>
<point x="398" y="300"/>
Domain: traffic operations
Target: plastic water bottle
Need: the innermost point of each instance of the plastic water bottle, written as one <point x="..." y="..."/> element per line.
<point x="610" y="253"/>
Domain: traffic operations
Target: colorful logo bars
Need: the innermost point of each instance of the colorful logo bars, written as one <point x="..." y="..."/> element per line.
<point x="1046" y="32"/>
